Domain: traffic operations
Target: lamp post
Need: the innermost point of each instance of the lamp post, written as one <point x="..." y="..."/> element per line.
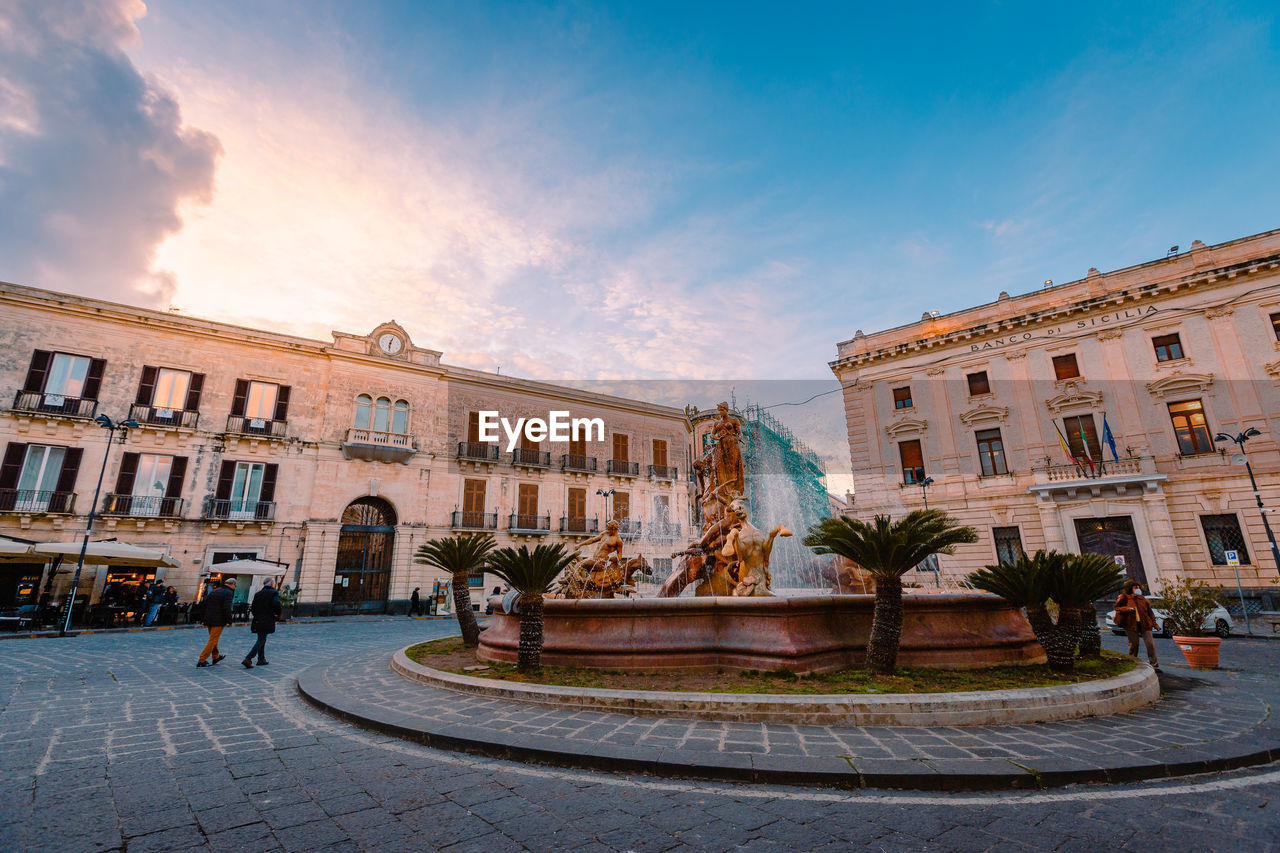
<point x="924" y="490"/>
<point x="606" y="496"/>
<point x="1262" y="510"/>
<point x="111" y="427"/>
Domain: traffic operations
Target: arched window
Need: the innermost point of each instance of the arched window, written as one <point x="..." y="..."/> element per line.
<point x="364" y="405"/>
<point x="382" y="415"/>
<point x="400" y="422"/>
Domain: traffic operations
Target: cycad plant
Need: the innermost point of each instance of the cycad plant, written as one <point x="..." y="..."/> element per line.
<point x="888" y="549"/>
<point x="531" y="573"/>
<point x="459" y="556"/>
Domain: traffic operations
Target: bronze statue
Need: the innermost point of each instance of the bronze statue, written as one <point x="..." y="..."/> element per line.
<point x="749" y="547"/>
<point x="726" y="454"/>
<point x="604" y="573"/>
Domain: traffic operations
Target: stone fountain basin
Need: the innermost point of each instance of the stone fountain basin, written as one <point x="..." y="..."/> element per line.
<point x="818" y="633"/>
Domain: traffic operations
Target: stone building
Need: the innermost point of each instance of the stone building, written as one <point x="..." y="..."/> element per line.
<point x="334" y="459"/>
<point x="1004" y="415"/>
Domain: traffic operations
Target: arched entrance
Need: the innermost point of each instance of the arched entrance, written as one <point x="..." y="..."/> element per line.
<point x="362" y="576"/>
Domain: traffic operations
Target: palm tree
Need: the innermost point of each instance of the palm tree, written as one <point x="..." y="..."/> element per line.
<point x="459" y="556"/>
<point x="531" y="573"/>
<point x="888" y="549"/>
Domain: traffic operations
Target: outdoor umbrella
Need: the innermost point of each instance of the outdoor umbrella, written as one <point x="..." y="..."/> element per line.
<point x="17" y="552"/>
<point x="249" y="567"/>
<point x="120" y="554"/>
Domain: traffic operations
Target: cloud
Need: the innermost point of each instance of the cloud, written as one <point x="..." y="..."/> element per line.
<point x="94" y="158"/>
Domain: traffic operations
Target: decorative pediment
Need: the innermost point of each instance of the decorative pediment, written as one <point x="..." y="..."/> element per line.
<point x="1074" y="397"/>
<point x="906" y="426"/>
<point x="984" y="414"/>
<point x="1273" y="368"/>
<point x="1180" y="384"/>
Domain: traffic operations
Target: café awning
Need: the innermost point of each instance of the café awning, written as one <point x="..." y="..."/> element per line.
<point x="249" y="567"/>
<point x="18" y="552"/>
<point x="114" y="554"/>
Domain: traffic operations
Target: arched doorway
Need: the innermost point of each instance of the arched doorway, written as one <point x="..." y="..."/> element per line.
<point x="362" y="576"/>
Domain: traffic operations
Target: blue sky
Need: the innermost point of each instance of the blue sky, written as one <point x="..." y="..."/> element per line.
<point x="641" y="190"/>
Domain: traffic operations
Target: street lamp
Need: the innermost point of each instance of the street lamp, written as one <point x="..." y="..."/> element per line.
<point x="111" y="427"/>
<point x="1257" y="496"/>
<point x="606" y="496"/>
<point x="924" y="490"/>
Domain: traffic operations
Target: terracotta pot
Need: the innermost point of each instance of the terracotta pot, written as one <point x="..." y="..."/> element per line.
<point x="1200" y="652"/>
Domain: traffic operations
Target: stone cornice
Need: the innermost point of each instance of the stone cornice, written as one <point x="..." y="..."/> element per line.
<point x="906" y="426"/>
<point x="1180" y="383"/>
<point x="1073" y="397"/>
<point x="984" y="414"/>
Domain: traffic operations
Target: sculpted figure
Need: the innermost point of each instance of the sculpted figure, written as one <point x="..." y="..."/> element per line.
<point x="726" y="455"/>
<point x="750" y="548"/>
<point x="604" y="572"/>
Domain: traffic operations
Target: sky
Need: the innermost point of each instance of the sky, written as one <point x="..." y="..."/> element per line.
<point x="586" y="191"/>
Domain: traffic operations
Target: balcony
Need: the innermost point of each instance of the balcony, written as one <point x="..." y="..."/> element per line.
<point x="373" y="446"/>
<point x="474" y="520"/>
<point x="530" y="458"/>
<point x="1068" y="482"/>
<point x="218" y="509"/>
<point x="663" y="472"/>
<point x="628" y="529"/>
<point x="158" y="417"/>
<point x="57" y="405"/>
<point x="536" y="525"/>
<point x="477" y="451"/>
<point x="142" y="506"/>
<point x="579" y="526"/>
<point x="581" y="464"/>
<point x="256" y="427"/>
<point x="622" y="468"/>
<point x="33" y="501"/>
<point x="664" y="530"/>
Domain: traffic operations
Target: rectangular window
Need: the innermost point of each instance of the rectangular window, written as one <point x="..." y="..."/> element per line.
<point x="1168" y="347"/>
<point x="978" y="383"/>
<point x="662" y="509"/>
<point x="260" y="405"/>
<point x="620" y="447"/>
<point x="912" y="461"/>
<point x="171" y="389"/>
<point x="577" y="503"/>
<point x="1008" y="544"/>
<point x="1275" y="325"/>
<point x="473" y="499"/>
<point x="659" y="452"/>
<point x="1065" y="367"/>
<point x="991" y="452"/>
<point x="578" y="447"/>
<point x="622" y="506"/>
<point x="1190" y="427"/>
<point x="150" y="484"/>
<point x="39" y="478"/>
<point x="473" y="428"/>
<point x="1223" y="534"/>
<point x="246" y="489"/>
<point x="1082" y="437"/>
<point x="902" y="398"/>
<point x="67" y="375"/>
<point x="527" y="500"/>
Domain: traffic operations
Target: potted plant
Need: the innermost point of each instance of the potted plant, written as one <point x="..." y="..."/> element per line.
<point x="1187" y="603"/>
<point x="288" y="598"/>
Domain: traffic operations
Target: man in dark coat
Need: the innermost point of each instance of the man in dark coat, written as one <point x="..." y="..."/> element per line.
<point x="415" y="603"/>
<point x="217" y="615"/>
<point x="264" y="611"/>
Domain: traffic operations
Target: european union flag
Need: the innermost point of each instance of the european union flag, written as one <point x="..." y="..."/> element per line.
<point x="1109" y="438"/>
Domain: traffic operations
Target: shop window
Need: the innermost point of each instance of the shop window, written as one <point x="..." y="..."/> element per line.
<point x="1223" y="534"/>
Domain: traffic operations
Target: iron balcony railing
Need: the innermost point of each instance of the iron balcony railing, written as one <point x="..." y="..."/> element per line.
<point x="531" y="458"/>
<point x="474" y="520"/>
<point x="32" y="500"/>
<point x="622" y="468"/>
<point x="218" y="509"/>
<point x="574" y="462"/>
<point x="158" y="416"/>
<point x="628" y="529"/>
<point x="518" y="523"/>
<point x="579" y="526"/>
<point x="1130" y="465"/>
<point x="142" y="506"/>
<point x="664" y="472"/>
<point x="264" y="427"/>
<point x="54" y="404"/>
<point x="478" y="451"/>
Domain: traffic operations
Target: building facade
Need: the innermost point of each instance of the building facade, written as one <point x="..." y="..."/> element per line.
<point x="334" y="459"/>
<point x="1083" y="416"/>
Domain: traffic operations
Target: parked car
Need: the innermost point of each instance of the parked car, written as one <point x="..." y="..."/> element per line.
<point x="1218" y="622"/>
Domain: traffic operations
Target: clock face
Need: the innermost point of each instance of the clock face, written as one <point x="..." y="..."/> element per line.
<point x="390" y="343"/>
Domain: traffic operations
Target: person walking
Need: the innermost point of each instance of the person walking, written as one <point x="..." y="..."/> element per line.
<point x="264" y="610"/>
<point x="1134" y="615"/>
<point x="217" y="615"/>
<point x="415" y="603"/>
<point x="155" y="598"/>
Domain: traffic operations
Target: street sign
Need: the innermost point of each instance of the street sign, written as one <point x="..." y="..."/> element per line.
<point x="1119" y="558"/>
<point x="1233" y="558"/>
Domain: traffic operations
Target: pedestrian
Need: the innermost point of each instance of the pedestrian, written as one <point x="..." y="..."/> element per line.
<point x="155" y="598"/>
<point x="415" y="603"/>
<point x="217" y="615"/>
<point x="265" y="610"/>
<point x="1134" y="615"/>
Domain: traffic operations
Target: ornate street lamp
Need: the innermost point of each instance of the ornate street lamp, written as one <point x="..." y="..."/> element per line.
<point x="606" y="496"/>
<point x="924" y="490"/>
<point x="1262" y="510"/>
<point x="111" y="427"/>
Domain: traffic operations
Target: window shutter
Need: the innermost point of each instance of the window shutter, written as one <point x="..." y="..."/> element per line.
<point x="177" y="472"/>
<point x="473" y="427"/>
<point x="193" y="393"/>
<point x="70" y="468"/>
<point x="282" y="403"/>
<point x="241" y="395"/>
<point x="146" y="387"/>
<point x="93" y="381"/>
<point x="128" y="472"/>
<point x="226" y="476"/>
<point x="38" y="371"/>
<point x="268" y="492"/>
<point x="11" y="469"/>
<point x="659" y="453"/>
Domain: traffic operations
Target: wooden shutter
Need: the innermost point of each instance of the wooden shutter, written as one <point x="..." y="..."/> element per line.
<point x="619" y="447"/>
<point x="282" y="403"/>
<point x="911" y="453"/>
<point x="577" y="503"/>
<point x="70" y="468"/>
<point x="193" y="392"/>
<point x="528" y="499"/>
<point x="659" y="453"/>
<point x="473" y="496"/>
<point x="238" y="400"/>
<point x="177" y="473"/>
<point x="14" y="455"/>
<point x="268" y="493"/>
<point x="37" y="372"/>
<point x="226" y="476"/>
<point x="622" y="506"/>
<point x="527" y="443"/>
<point x="578" y="447"/>
<point x="128" y="473"/>
<point x="146" y="387"/>
<point x="473" y="428"/>
<point x="93" y="380"/>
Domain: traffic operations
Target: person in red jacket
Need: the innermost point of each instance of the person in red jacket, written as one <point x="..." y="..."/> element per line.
<point x="1134" y="615"/>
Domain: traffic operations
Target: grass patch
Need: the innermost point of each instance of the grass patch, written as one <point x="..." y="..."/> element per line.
<point x="450" y="655"/>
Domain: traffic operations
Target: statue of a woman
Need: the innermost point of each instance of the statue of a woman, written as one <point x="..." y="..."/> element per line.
<point x="749" y="548"/>
<point x="727" y="454"/>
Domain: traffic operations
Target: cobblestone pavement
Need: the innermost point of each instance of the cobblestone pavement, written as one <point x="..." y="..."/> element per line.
<point x="116" y="742"/>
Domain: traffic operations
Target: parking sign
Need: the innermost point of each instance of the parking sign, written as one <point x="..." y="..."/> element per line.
<point x="1233" y="558"/>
